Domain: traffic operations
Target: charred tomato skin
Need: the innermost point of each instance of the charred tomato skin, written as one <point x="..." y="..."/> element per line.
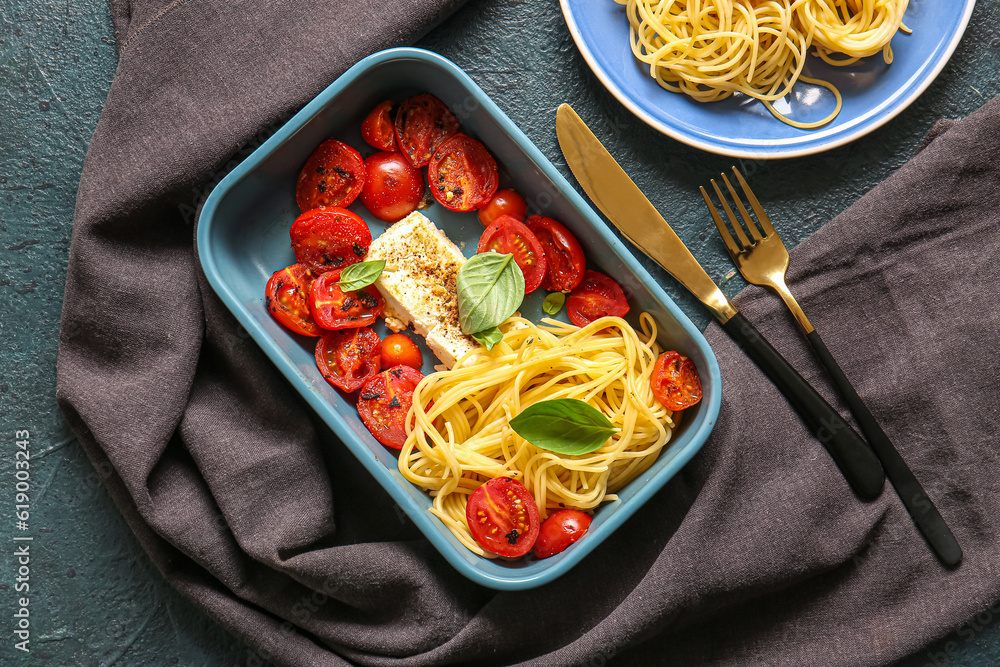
<point x="462" y="174"/>
<point x="384" y="402"/>
<point x="286" y="297"/>
<point x="565" y="261"/>
<point x="675" y="381"/>
<point x="329" y="239"/>
<point x="332" y="176"/>
<point x="423" y="123"/>
<point x="348" y="358"/>
<point x="333" y="309"/>
<point x="595" y="297"/>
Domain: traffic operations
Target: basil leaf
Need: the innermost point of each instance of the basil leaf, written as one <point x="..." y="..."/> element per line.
<point x="361" y="274"/>
<point x="553" y="303"/>
<point x="488" y="338"/>
<point x="490" y="289"/>
<point x="564" y="425"/>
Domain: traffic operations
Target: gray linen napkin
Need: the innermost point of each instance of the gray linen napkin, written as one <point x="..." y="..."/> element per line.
<point x="757" y="554"/>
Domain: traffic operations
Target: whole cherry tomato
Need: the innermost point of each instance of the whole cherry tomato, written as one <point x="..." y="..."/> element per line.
<point x="563" y="254"/>
<point x="333" y="308"/>
<point x="400" y="350"/>
<point x="286" y="297"/>
<point x="462" y="174"/>
<point x="503" y="517"/>
<point x="378" y="129"/>
<point x="675" y="381"/>
<point x="393" y="186"/>
<point x="422" y="124"/>
<point x="384" y="401"/>
<point x="595" y="297"/>
<point x="560" y="530"/>
<point x="328" y="239"/>
<point x="348" y="358"/>
<point x="504" y="202"/>
<point x="332" y="176"/>
<point x="509" y="235"/>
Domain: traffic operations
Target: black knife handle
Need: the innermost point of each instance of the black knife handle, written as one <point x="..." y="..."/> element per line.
<point x="914" y="498"/>
<point x="855" y="459"/>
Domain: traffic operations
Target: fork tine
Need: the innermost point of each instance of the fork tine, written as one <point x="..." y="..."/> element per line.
<point x="765" y="222"/>
<point x="751" y="226"/>
<point x="737" y="227"/>
<point x="721" y="226"/>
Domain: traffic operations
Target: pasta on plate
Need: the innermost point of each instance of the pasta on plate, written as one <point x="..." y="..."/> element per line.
<point x="710" y="49"/>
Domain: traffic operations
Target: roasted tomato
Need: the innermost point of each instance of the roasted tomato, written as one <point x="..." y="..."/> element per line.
<point x="422" y="124"/>
<point x="400" y="350"/>
<point x="335" y="309"/>
<point x="384" y="401"/>
<point x="333" y="176"/>
<point x="326" y="239"/>
<point x="675" y="381"/>
<point x="509" y="235"/>
<point x="462" y="174"/>
<point x="348" y="358"/>
<point x="504" y="202"/>
<point x="393" y="186"/>
<point x="286" y="297"/>
<point x="503" y="517"/>
<point x="563" y="255"/>
<point x="560" y="530"/>
<point x="378" y="129"/>
<point x="595" y="297"/>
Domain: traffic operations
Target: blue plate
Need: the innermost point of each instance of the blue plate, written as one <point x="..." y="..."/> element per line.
<point x="740" y="126"/>
<point x="243" y="238"/>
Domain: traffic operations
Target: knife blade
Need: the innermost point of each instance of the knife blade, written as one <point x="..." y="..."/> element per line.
<point x="624" y="204"/>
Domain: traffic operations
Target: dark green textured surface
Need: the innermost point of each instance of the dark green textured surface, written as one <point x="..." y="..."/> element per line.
<point x="95" y="598"/>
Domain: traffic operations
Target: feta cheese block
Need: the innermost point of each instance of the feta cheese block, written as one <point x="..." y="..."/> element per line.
<point x="418" y="284"/>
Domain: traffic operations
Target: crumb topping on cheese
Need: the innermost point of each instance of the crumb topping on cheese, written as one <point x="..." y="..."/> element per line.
<point x="418" y="284"/>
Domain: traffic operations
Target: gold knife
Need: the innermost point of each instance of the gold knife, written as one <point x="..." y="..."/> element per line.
<point x="624" y="204"/>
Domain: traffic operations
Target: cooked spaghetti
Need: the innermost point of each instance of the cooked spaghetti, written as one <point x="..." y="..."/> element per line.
<point x="460" y="435"/>
<point x="710" y="49"/>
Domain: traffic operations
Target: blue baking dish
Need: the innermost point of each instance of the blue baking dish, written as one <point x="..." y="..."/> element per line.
<point x="243" y="238"/>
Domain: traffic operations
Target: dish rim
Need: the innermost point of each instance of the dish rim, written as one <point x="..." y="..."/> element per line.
<point x="520" y="578"/>
<point x="775" y="149"/>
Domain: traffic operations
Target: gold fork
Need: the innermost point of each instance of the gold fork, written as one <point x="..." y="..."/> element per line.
<point x="763" y="260"/>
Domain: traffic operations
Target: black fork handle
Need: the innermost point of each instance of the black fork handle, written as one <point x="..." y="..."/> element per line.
<point x="852" y="455"/>
<point x="925" y="515"/>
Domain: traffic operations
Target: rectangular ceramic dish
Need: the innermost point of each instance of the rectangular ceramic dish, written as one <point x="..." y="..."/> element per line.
<point x="243" y="238"/>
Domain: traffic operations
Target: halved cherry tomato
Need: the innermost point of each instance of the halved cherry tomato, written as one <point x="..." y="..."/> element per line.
<point x="286" y="297"/>
<point x="348" y="358"/>
<point x="325" y="239"/>
<point x="563" y="254"/>
<point x="504" y="202"/>
<point x="384" y="401"/>
<point x="378" y="129"/>
<point x="335" y="309"/>
<point x="560" y="530"/>
<point x="503" y="517"/>
<point x="509" y="235"/>
<point x="393" y="186"/>
<point x="462" y="174"/>
<point x="332" y="176"/>
<point x="422" y="124"/>
<point x="399" y="349"/>
<point x="675" y="381"/>
<point x="595" y="297"/>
